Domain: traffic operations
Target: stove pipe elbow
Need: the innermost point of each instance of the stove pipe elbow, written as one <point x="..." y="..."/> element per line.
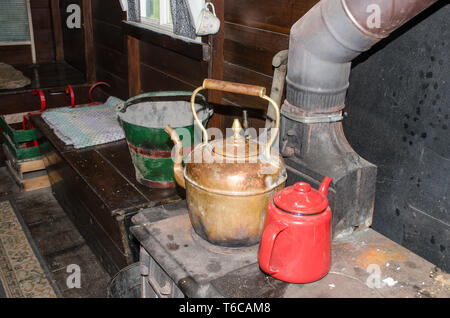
<point x="327" y="38"/>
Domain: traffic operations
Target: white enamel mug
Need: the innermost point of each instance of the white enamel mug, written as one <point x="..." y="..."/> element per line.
<point x="208" y="23"/>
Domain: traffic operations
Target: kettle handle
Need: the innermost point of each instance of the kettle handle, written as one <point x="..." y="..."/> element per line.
<point x="237" y="88"/>
<point x="266" y="246"/>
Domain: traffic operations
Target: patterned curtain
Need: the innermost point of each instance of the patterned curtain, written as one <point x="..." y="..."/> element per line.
<point x="134" y="12"/>
<point x="183" y="23"/>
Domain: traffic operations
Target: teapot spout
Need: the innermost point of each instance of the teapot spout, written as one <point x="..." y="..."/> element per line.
<point x="323" y="189"/>
<point x="178" y="158"/>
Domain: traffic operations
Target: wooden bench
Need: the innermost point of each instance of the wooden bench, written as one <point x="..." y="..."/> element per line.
<point x="97" y="188"/>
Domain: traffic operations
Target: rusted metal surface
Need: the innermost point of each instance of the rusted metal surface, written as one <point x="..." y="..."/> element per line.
<point x="367" y="264"/>
<point x="364" y="264"/>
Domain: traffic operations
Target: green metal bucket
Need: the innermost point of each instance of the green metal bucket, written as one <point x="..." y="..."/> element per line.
<point x="149" y="144"/>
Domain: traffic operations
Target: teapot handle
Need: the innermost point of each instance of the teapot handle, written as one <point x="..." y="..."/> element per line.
<point x="237" y="88"/>
<point x="269" y="235"/>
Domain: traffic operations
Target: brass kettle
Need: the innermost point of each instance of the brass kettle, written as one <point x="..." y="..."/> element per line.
<point x="230" y="181"/>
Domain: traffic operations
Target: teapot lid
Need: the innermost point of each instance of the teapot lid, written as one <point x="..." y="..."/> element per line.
<point x="301" y="199"/>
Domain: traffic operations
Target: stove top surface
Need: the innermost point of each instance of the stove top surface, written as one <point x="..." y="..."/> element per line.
<point x="201" y="269"/>
<point x="200" y="259"/>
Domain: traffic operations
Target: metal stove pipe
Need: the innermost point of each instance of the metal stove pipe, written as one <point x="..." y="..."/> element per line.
<point x="322" y="45"/>
<point x="325" y="41"/>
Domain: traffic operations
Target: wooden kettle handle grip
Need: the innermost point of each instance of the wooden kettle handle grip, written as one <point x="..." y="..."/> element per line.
<point x="237" y="88"/>
<point x="232" y="87"/>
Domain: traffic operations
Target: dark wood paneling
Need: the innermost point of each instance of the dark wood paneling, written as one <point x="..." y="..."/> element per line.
<point x="236" y="73"/>
<point x="134" y="66"/>
<point x="45" y="51"/>
<point x="268" y="15"/>
<point x="41" y="17"/>
<point x="25" y="101"/>
<point x="108" y="11"/>
<point x="39" y="4"/>
<point x="111" y="60"/>
<point x="109" y="35"/>
<point x="174" y="64"/>
<point x="276" y="16"/>
<point x="155" y="80"/>
<point x="299" y="8"/>
<point x="88" y="36"/>
<point x="119" y="86"/>
<point x="57" y="30"/>
<point x="252" y="48"/>
<point x="110" y="47"/>
<point x="73" y="39"/>
<point x="43" y="30"/>
<point x="194" y="50"/>
<point x="20" y="54"/>
<point x="164" y="62"/>
<point x="254" y="31"/>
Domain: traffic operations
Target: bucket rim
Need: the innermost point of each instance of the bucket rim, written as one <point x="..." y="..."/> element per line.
<point x="206" y="112"/>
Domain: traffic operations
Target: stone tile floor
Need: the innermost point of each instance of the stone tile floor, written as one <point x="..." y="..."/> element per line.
<point x="57" y="239"/>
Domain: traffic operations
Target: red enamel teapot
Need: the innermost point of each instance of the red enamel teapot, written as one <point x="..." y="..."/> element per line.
<point x="296" y="242"/>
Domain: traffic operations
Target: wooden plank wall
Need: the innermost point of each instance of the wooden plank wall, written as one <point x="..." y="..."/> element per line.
<point x="254" y="31"/>
<point x="43" y="37"/>
<point x="159" y="68"/>
<point x="163" y="69"/>
<point x="110" y="46"/>
<point x="73" y="39"/>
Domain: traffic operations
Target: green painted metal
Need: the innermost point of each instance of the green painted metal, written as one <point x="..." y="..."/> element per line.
<point x="19" y="136"/>
<point x="153" y="138"/>
<point x="150" y="148"/>
<point x="21" y="153"/>
<point x="155" y="169"/>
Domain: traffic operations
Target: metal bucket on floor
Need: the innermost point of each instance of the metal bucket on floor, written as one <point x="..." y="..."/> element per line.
<point x="149" y="144"/>
<point x="126" y="283"/>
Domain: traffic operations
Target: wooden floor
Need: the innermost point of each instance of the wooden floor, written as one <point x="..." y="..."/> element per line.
<point x="57" y="239"/>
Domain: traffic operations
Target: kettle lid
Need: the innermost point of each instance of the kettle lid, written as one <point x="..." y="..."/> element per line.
<point x="301" y="199"/>
<point x="236" y="146"/>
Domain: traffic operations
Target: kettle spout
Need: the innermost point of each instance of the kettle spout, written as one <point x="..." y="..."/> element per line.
<point x="323" y="189"/>
<point x="178" y="158"/>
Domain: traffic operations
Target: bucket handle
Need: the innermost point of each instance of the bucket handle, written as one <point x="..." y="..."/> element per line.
<point x="122" y="108"/>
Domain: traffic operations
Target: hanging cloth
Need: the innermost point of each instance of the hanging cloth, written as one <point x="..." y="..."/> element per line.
<point x="134" y="11"/>
<point x="183" y="23"/>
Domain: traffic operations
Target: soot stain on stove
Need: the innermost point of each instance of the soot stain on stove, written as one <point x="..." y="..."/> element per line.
<point x="156" y="231"/>
<point x="213" y="267"/>
<point x="173" y="246"/>
<point x="410" y="264"/>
